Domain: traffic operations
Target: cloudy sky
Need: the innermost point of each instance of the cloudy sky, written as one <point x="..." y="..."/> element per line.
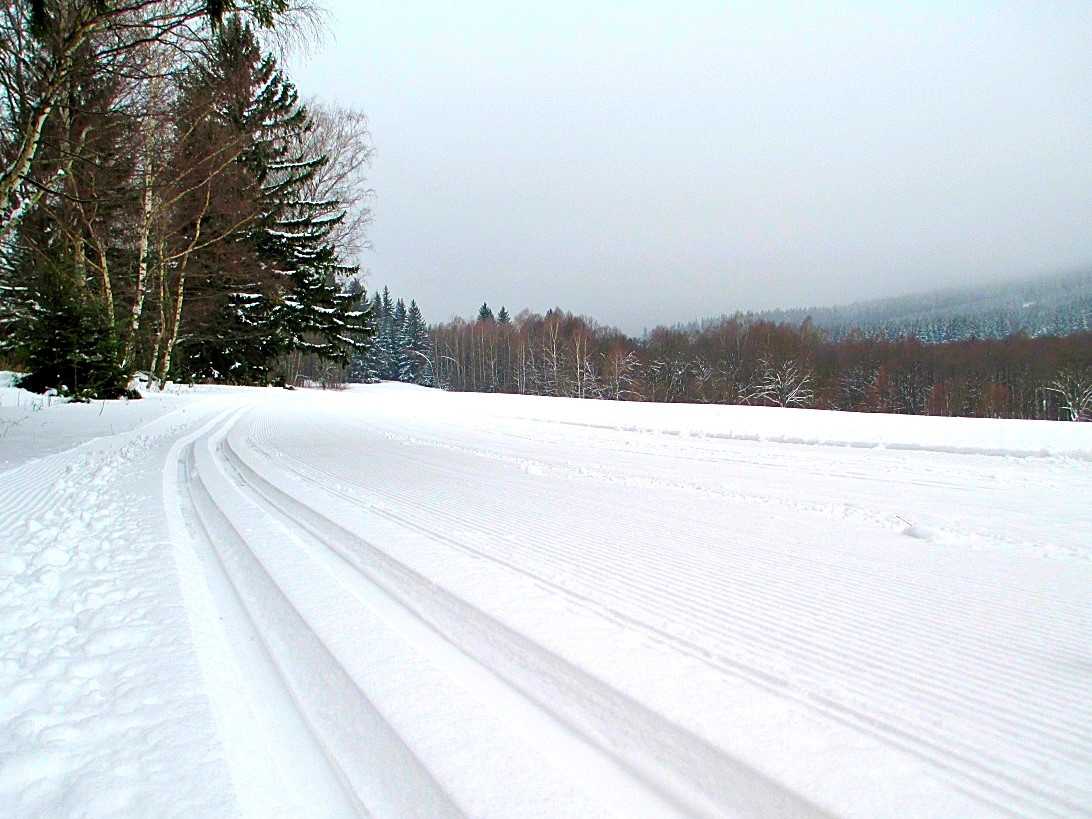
<point x="654" y="162"/>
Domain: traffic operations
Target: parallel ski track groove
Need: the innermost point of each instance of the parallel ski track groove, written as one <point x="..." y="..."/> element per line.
<point x="197" y="495"/>
<point x="250" y="474"/>
<point x="1079" y="618"/>
<point x="910" y="741"/>
<point x="341" y="774"/>
<point x="681" y="560"/>
<point x="960" y="752"/>
<point x="881" y="636"/>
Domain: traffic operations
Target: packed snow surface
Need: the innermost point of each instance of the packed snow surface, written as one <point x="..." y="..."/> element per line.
<point x="393" y="602"/>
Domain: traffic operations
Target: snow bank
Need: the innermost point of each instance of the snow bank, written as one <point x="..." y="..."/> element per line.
<point x="34" y="425"/>
<point x="12" y="396"/>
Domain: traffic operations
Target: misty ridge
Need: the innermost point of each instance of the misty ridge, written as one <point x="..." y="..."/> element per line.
<point x="1054" y="305"/>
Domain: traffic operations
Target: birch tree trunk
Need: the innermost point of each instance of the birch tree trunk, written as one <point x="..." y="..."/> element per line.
<point x="30" y="137"/>
<point x="145" y="226"/>
<point x="162" y="329"/>
<point x="180" y="293"/>
<point x="176" y="321"/>
<point x="14" y="174"/>
<point x="142" y="269"/>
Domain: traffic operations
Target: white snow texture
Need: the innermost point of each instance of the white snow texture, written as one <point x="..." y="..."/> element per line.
<point x="396" y="602"/>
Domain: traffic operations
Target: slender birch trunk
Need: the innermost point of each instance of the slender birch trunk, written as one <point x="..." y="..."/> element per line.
<point x="148" y="178"/>
<point x="176" y="321"/>
<point x="180" y="293"/>
<point x="145" y="232"/>
<point x="20" y="166"/>
<point x="30" y="139"/>
<point x="162" y="329"/>
<point x="142" y="267"/>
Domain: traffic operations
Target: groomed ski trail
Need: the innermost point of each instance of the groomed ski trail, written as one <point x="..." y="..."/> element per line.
<point x="456" y="680"/>
<point x="487" y="618"/>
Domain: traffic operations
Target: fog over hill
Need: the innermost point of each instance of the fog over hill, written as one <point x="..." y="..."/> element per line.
<point x="1055" y="305"/>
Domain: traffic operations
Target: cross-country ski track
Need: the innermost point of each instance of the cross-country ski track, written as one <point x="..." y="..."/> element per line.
<point x="404" y="602"/>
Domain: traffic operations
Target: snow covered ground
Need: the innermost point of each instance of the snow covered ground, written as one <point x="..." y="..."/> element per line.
<point x="33" y="425"/>
<point x="397" y="602"/>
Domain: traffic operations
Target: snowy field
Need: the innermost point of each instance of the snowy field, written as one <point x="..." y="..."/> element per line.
<point x="397" y="602"/>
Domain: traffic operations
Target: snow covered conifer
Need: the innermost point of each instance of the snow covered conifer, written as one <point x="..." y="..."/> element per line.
<point x="416" y="368"/>
<point x="291" y="298"/>
<point x="386" y="343"/>
<point x="399" y="325"/>
<point x="362" y="364"/>
<point x="66" y="337"/>
<point x="372" y="366"/>
<point x="399" y="361"/>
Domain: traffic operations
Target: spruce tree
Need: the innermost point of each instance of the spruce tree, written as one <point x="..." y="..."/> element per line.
<point x="417" y="368"/>
<point x="503" y="317"/>
<point x="484" y="313"/>
<point x="291" y="298"/>
<point x="373" y="356"/>
<point x="387" y="352"/>
<point x="398" y="335"/>
<point x="362" y="364"/>
<point x="66" y="338"/>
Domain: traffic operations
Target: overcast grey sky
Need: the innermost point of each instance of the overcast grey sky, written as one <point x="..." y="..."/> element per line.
<point x="655" y="162"/>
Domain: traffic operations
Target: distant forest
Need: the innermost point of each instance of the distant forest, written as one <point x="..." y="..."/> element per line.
<point x="782" y="359"/>
<point x="1058" y="305"/>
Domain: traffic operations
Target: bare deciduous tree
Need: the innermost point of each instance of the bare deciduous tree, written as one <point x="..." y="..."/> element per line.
<point x="1073" y="390"/>
<point x="341" y="133"/>
<point x="785" y="384"/>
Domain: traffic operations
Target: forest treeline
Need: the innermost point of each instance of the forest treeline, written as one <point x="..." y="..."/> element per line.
<point x="743" y="361"/>
<point x="167" y="202"/>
